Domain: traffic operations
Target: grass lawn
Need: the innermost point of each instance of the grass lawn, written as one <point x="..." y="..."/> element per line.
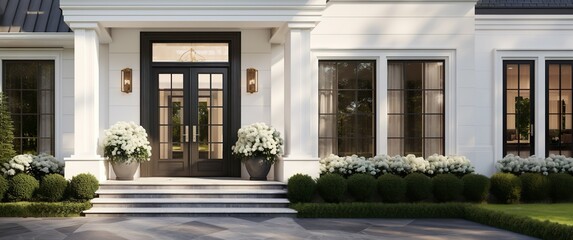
<point x="559" y="212"/>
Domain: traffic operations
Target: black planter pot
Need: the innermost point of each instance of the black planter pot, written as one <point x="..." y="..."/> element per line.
<point x="258" y="168"/>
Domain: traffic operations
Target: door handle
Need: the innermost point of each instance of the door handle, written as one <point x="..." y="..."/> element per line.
<point x="186" y="133"/>
<point x="194" y="133"/>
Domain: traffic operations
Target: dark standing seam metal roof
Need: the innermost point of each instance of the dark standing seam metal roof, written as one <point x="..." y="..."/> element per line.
<point x="31" y="16"/>
<point x="524" y="7"/>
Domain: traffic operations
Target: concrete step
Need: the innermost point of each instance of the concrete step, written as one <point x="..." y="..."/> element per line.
<point x="190" y="203"/>
<point x="191" y="193"/>
<point x="273" y="185"/>
<point x="190" y="212"/>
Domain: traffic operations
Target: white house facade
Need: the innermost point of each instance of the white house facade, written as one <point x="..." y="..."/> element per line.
<point x="455" y="77"/>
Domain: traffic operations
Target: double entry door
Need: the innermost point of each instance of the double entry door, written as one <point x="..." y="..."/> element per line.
<point x="190" y="121"/>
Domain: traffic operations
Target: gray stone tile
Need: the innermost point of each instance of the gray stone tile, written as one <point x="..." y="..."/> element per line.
<point x="327" y="224"/>
<point x="8" y="229"/>
<point x="94" y="235"/>
<point x="68" y="230"/>
<point x="188" y="230"/>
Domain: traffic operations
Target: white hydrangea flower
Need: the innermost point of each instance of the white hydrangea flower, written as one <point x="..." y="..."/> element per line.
<point x="18" y="164"/>
<point x="125" y="142"/>
<point x="258" y="139"/>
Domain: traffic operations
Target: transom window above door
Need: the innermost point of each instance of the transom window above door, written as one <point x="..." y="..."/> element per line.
<point x="190" y="52"/>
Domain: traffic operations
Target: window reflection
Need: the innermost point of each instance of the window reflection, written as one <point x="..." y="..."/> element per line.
<point x="29" y="87"/>
<point x="346" y="108"/>
<point x="415" y="107"/>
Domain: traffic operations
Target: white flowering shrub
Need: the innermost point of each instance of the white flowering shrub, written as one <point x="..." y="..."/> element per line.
<point x="45" y="164"/>
<point x="458" y="165"/>
<point x="400" y="165"/>
<point x="125" y="142"/>
<point x="18" y="164"/>
<point x="258" y="139"/>
<point x="518" y="165"/>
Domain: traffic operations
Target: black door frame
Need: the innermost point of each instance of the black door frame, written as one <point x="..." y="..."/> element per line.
<point x="232" y="100"/>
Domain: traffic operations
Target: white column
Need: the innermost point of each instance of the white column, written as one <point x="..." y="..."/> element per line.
<point x="300" y="105"/>
<point x="86" y="104"/>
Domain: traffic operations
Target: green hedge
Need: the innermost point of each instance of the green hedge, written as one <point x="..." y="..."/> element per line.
<point x="519" y="224"/>
<point x="514" y="223"/>
<point x="43" y="209"/>
<point x="379" y="210"/>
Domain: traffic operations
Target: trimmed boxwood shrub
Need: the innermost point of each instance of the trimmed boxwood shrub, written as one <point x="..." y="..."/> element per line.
<point x="506" y="187"/>
<point x="418" y="187"/>
<point x="331" y="187"/>
<point x="561" y="187"/>
<point x="3" y="187"/>
<point x="447" y="187"/>
<point x="534" y="187"/>
<point x="300" y="188"/>
<point x="392" y="188"/>
<point x="361" y="186"/>
<point x="22" y="187"/>
<point x="52" y="187"/>
<point x="476" y="187"/>
<point x="83" y="186"/>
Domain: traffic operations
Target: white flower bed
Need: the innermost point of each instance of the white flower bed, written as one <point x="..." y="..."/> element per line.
<point x="45" y="164"/>
<point x="400" y="165"/>
<point x="18" y="164"/>
<point x="258" y="139"/>
<point x="38" y="166"/>
<point x="126" y="142"/>
<point x="533" y="164"/>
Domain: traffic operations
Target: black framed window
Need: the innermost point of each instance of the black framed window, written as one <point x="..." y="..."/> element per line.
<point x="347" y="101"/>
<point x="559" y="114"/>
<point x="518" y="108"/>
<point x="416" y="107"/>
<point x="29" y="86"/>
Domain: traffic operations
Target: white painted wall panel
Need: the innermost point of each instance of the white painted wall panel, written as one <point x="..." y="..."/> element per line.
<point x="512" y="37"/>
<point x="397" y="25"/>
<point x="392" y="9"/>
<point x="65" y="117"/>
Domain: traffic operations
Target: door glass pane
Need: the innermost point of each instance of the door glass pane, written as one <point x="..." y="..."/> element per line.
<point x="553" y="73"/>
<point x="204" y="81"/>
<point x="216" y="81"/>
<point x="171" y="116"/>
<point x="190" y="52"/>
<point x="565" y="76"/>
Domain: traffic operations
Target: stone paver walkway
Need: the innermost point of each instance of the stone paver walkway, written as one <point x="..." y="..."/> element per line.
<point x="246" y="228"/>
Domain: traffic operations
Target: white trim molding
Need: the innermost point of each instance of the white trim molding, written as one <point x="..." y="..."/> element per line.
<point x="118" y="13"/>
<point x="382" y="57"/>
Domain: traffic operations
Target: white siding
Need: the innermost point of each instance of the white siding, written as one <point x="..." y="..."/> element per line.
<point x="66" y="115"/>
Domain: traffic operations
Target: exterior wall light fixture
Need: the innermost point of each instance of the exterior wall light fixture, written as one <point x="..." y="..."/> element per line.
<point x="126" y="80"/>
<point x="252" y="80"/>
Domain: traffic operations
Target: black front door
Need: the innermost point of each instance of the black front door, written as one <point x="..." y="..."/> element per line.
<point x="190" y="121"/>
<point x="191" y="102"/>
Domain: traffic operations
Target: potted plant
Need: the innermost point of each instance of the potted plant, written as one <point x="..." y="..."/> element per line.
<point x="258" y="146"/>
<point x="125" y="146"/>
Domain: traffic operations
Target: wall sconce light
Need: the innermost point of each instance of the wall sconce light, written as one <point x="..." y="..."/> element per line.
<point x="126" y="80"/>
<point x="252" y="80"/>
